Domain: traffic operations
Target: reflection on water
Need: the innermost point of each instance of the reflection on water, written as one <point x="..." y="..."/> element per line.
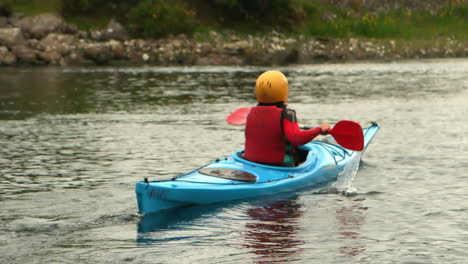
<point x="272" y="235"/>
<point x="350" y="219"/>
<point x="173" y="218"/>
<point x="25" y="94"/>
<point x="269" y="228"/>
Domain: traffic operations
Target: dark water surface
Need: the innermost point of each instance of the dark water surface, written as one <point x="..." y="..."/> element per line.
<point x="74" y="141"/>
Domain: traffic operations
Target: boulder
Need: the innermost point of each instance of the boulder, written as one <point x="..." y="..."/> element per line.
<point x="76" y="58"/>
<point x="41" y="25"/>
<point x="25" y="54"/>
<point x="97" y="52"/>
<point x="113" y="31"/>
<point x="6" y="57"/>
<point x="117" y="49"/>
<point x="51" y="57"/>
<point x="103" y="53"/>
<point x="116" y="31"/>
<point x="59" y="43"/>
<point x="11" y="37"/>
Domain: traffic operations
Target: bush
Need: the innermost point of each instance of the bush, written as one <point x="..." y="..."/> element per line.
<point x="277" y="13"/>
<point x="5" y="9"/>
<point x="159" y="18"/>
<point x="87" y="14"/>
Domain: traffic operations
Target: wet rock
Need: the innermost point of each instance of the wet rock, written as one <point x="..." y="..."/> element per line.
<point x="41" y="25"/>
<point x="220" y="60"/>
<point x="11" y="37"/>
<point x="6" y="57"/>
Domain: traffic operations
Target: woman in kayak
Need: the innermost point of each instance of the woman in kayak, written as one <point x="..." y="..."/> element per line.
<point x="272" y="132"/>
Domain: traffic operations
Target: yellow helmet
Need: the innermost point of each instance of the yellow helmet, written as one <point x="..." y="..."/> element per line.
<point x="271" y="87"/>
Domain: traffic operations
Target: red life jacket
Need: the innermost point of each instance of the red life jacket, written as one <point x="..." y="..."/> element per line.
<point x="264" y="138"/>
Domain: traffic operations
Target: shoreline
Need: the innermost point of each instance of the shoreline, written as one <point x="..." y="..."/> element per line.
<point x="47" y="40"/>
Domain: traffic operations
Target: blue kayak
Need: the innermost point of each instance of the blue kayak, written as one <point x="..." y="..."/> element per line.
<point x="234" y="178"/>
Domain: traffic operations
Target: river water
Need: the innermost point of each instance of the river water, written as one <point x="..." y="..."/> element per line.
<point x="74" y="141"/>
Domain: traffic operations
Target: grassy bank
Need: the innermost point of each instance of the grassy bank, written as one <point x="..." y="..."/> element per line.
<point x="33" y="7"/>
<point x="449" y="21"/>
<point x="158" y="18"/>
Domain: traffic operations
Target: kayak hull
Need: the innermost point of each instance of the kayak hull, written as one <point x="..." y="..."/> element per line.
<point x="235" y="178"/>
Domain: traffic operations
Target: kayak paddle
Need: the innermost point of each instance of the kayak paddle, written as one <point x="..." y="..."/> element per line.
<point x="238" y="117"/>
<point x="347" y="134"/>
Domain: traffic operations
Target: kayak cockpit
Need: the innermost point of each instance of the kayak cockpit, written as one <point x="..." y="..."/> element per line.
<point x="308" y="159"/>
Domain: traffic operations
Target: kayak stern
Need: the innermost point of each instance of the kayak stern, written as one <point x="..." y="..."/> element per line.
<point x="152" y="199"/>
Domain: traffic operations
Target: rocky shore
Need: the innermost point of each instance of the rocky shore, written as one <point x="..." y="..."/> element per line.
<point x="47" y="39"/>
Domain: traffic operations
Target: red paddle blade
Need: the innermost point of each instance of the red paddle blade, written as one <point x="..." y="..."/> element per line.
<point x="238" y="117"/>
<point x="348" y="134"/>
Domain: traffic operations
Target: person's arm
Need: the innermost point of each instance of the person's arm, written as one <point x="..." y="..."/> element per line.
<point x="295" y="134"/>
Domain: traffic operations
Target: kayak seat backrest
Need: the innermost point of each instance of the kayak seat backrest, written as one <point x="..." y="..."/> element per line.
<point x="230" y="174"/>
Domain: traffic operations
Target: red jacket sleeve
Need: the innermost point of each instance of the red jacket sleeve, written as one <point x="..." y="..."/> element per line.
<point x="296" y="136"/>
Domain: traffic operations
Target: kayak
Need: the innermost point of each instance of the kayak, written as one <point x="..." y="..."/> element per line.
<point x="235" y="178"/>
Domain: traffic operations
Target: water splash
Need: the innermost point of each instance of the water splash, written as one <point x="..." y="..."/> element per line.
<point x="344" y="182"/>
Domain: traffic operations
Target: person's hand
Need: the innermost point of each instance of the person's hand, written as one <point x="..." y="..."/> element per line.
<point x="325" y="127"/>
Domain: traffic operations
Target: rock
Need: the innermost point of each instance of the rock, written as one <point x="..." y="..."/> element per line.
<point x="238" y="47"/>
<point x="75" y="58"/>
<point x="6" y="57"/>
<point x="60" y="43"/>
<point x="96" y="34"/>
<point x="11" y="37"/>
<point x="113" y="31"/>
<point x="117" y="49"/>
<point x="51" y="57"/>
<point x="97" y="52"/>
<point x="25" y="54"/>
<point x="41" y="25"/>
<point x="220" y="60"/>
<point x="103" y="53"/>
<point x="204" y="49"/>
<point x="12" y="20"/>
<point x="116" y="31"/>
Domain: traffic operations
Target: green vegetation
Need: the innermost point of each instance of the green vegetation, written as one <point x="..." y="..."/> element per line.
<point x="33" y="7"/>
<point x="158" y="18"/>
<point x="406" y="24"/>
